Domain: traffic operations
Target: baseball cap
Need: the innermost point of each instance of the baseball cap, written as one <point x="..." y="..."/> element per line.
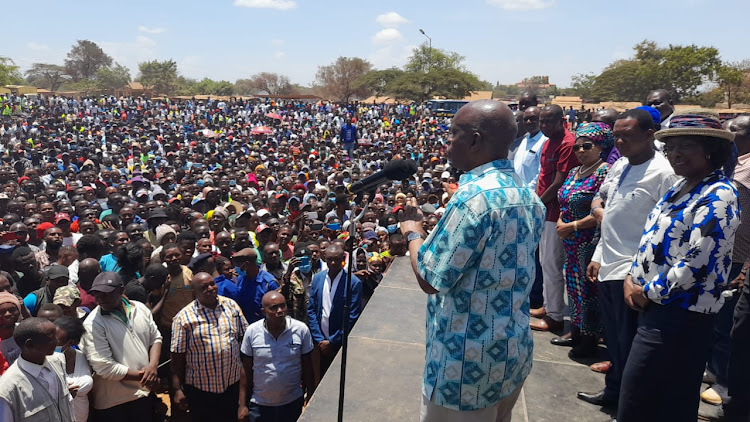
<point x="261" y="227"/>
<point x="66" y="295"/>
<point x="106" y="282"/>
<point x="57" y="271"/>
<point x="61" y="216"/>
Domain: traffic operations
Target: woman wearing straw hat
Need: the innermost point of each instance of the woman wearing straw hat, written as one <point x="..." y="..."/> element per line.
<point x="679" y="273"/>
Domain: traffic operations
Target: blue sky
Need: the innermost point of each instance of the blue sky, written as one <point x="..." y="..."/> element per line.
<point x="502" y="40"/>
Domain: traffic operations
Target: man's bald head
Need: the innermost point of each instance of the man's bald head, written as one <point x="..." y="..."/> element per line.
<point x="606" y="115"/>
<point x="740" y="126"/>
<point x="88" y="269"/>
<point x="493" y="120"/>
<point x="526" y="100"/>
<point x="200" y="279"/>
<point x="270" y="298"/>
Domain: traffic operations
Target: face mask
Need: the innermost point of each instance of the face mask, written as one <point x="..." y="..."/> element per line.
<point x="58" y="349"/>
<point x="305" y="268"/>
<point x="240" y="272"/>
<point x="392" y="228"/>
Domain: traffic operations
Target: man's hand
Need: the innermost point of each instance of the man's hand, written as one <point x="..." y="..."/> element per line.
<point x="243" y="413"/>
<point x="634" y="295"/>
<point x="598" y="215"/>
<point x="180" y="401"/>
<point x="325" y="347"/>
<point x="411" y="217"/>
<point x="739" y="282"/>
<point x="592" y="271"/>
<point x="149" y="377"/>
<point x="73" y="389"/>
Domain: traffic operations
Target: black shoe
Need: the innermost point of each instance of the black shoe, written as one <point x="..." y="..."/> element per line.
<point x="565" y="342"/>
<point x="586" y="348"/>
<point x="598" y="399"/>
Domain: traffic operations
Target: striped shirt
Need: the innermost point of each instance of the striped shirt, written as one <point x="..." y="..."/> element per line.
<point x="211" y="340"/>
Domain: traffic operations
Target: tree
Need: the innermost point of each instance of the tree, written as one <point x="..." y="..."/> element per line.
<point x="379" y="81"/>
<point x="583" y="84"/>
<point x="85" y="59"/>
<point x="271" y="83"/>
<point x="10" y="74"/>
<point x="730" y="77"/>
<point x="46" y="75"/>
<point x="208" y="86"/>
<point x="161" y="75"/>
<point x="112" y="77"/>
<point x="338" y="80"/>
<point x="424" y="58"/>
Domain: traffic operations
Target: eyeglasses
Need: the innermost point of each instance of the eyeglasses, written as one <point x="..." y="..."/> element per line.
<point x="587" y="146"/>
<point x="654" y="103"/>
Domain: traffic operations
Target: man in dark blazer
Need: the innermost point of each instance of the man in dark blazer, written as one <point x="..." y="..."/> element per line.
<point x="326" y="307"/>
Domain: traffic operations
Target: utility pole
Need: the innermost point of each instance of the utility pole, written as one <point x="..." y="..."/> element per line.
<point x="429" y="62"/>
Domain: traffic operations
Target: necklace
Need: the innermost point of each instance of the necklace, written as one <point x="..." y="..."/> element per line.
<point x="583" y="171"/>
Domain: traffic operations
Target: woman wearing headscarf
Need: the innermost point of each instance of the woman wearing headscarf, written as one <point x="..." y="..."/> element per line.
<point x="679" y="273"/>
<point x="577" y="227"/>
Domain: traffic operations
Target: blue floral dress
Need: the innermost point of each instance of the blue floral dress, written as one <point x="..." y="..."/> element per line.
<point x="575" y="196"/>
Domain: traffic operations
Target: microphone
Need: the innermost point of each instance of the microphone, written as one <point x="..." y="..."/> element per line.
<point x="394" y="170"/>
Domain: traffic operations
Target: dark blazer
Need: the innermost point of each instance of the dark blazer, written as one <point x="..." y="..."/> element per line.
<point x="336" y="318"/>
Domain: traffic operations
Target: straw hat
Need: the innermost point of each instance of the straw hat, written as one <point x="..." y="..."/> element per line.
<point x="695" y="123"/>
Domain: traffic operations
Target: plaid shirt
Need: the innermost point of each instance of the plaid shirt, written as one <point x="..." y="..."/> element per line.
<point x="211" y="339"/>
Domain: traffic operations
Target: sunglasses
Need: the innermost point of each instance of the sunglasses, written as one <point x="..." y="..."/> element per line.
<point x="587" y="146"/>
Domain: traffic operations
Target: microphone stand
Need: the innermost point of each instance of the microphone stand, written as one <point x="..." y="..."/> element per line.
<point x="353" y="219"/>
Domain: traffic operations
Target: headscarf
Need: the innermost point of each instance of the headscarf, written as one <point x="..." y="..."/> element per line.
<point x="598" y="132"/>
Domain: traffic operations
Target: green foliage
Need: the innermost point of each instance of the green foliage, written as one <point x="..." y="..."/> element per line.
<point x="10" y="74"/>
<point x="46" y="75"/>
<point x="269" y="83"/>
<point x="730" y="77"/>
<point x="679" y="69"/>
<point x="112" y="77"/>
<point x="85" y="59"/>
<point x="379" y="82"/>
<point x="424" y="59"/>
<point x="339" y="79"/>
<point x="209" y="86"/>
<point x="161" y="75"/>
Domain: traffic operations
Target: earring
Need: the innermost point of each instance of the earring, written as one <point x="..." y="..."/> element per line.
<point x="708" y="157"/>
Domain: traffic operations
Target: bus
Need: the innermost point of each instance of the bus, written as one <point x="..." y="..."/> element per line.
<point x="445" y="108"/>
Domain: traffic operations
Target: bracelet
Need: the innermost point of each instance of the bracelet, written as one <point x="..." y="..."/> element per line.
<point x="575" y="225"/>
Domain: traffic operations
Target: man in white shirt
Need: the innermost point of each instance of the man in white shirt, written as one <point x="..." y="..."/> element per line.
<point x="34" y="389"/>
<point x="633" y="186"/>
<point x="527" y="159"/>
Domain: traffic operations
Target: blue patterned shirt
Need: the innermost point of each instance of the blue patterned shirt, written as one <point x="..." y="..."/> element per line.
<point x="480" y="258"/>
<point x="686" y="249"/>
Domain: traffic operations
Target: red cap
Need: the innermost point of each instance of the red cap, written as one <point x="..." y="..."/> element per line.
<point x="61" y="216"/>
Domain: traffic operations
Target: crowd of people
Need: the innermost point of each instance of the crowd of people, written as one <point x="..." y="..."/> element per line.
<point x="200" y="249"/>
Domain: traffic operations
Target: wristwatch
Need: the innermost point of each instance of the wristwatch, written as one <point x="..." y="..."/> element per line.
<point x="414" y="236"/>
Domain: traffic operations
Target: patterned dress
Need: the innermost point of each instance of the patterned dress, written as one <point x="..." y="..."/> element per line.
<point x="575" y="196"/>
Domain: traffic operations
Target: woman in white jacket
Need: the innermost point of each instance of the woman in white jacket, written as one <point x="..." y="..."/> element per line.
<point x="77" y="369"/>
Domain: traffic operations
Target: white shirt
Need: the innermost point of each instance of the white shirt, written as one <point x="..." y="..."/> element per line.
<point x="528" y="158"/>
<point x="627" y="203"/>
<point x="329" y="289"/>
<point x="83" y="380"/>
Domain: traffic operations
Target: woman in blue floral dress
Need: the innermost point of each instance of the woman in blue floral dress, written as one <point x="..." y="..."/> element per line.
<point x="679" y="273"/>
<point x="577" y="228"/>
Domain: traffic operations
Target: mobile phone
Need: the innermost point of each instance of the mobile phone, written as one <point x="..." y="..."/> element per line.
<point x="311" y="215"/>
<point x="304" y="260"/>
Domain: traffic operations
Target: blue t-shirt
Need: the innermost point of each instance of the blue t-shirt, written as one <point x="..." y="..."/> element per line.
<point x="348" y="133"/>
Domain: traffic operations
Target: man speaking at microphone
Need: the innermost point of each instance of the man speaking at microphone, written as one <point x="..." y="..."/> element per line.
<point x="477" y="267"/>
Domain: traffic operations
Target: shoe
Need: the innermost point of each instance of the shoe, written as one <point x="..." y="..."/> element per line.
<point x="598" y="399"/>
<point x="586" y="348"/>
<point x="709" y="377"/>
<point x="712" y="413"/>
<point x="547" y="324"/>
<point x="538" y="312"/>
<point x="564" y="342"/>
<point x="710" y="396"/>
<point x="601" y="367"/>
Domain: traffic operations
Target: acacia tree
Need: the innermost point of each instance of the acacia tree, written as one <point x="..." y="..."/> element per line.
<point x="46" y="75"/>
<point x="270" y="83"/>
<point x="85" y="59"/>
<point x="339" y="79"/>
<point x="161" y="75"/>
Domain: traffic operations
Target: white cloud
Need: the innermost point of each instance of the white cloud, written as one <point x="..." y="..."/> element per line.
<point x="148" y="30"/>
<point x="130" y="53"/>
<point x="386" y="36"/>
<point x="277" y="42"/>
<point x="279" y="55"/>
<point x="391" y="20"/>
<point x="391" y="56"/>
<point x="36" y="46"/>
<point x="267" y="4"/>
<point x="522" y="4"/>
